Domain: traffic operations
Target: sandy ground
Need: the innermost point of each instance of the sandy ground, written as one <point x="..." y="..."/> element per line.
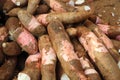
<point x="108" y="10"/>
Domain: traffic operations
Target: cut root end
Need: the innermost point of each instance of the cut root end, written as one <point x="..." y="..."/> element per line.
<point x="23" y="76"/>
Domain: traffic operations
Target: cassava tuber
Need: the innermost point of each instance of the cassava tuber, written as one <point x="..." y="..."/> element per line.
<point x="65" y="52"/>
<point x="31" y="23"/>
<point x="99" y="54"/>
<point x="48" y="58"/>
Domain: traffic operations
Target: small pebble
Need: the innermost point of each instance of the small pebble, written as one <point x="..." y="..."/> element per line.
<point x="71" y="2"/>
<point x="100" y="15"/>
<point x="112" y="14"/>
<point x="87" y="8"/>
<point x="78" y="2"/>
<point x="18" y="3"/>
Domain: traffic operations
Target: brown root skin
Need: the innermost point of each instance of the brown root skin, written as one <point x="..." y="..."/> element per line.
<point x="116" y="43"/>
<point x="99" y="54"/>
<point x="13" y="12"/>
<point x="34" y="59"/>
<point x="31" y="23"/>
<point x="80" y="51"/>
<point x="32" y="6"/>
<point x="59" y="6"/>
<point x="42" y="9"/>
<point x="114" y="31"/>
<point x="11" y="48"/>
<point x="24" y="17"/>
<point x="89" y="70"/>
<point x="86" y="65"/>
<point x="32" y="67"/>
<point x="48" y="63"/>
<point x="105" y="40"/>
<point x="81" y="30"/>
<point x="109" y="30"/>
<point x="12" y="24"/>
<point x="7" y="69"/>
<point x="66" y="17"/>
<point x="60" y="41"/>
<point x="3" y="34"/>
<point x="89" y="24"/>
<point x="39" y="31"/>
<point x="26" y="40"/>
<point x="72" y="32"/>
<point x="8" y="6"/>
<point x="60" y="72"/>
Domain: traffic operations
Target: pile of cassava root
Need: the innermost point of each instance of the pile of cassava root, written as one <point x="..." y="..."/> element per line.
<point x="56" y="40"/>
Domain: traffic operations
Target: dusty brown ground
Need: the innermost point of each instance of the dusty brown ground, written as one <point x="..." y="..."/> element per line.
<point x="108" y="10"/>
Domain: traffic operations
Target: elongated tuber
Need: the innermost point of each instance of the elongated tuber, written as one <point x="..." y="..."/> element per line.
<point x="8" y="6"/>
<point x="71" y="32"/>
<point x="48" y="55"/>
<point x="11" y="48"/>
<point x="59" y="6"/>
<point x="26" y="40"/>
<point x="116" y="43"/>
<point x="12" y="24"/>
<point x="65" y="51"/>
<point x="66" y="17"/>
<point x="106" y="41"/>
<point x="42" y="9"/>
<point x="13" y="12"/>
<point x="31" y="23"/>
<point x="89" y="70"/>
<point x="99" y="54"/>
<point x="111" y="31"/>
<point x="7" y="69"/>
<point x="32" y="6"/>
<point x="61" y="75"/>
<point x="32" y="68"/>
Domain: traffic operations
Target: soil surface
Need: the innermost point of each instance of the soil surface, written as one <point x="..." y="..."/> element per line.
<point x="108" y="10"/>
